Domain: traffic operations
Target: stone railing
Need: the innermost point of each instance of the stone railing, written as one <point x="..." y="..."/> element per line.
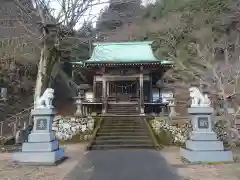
<point x="11" y="125"/>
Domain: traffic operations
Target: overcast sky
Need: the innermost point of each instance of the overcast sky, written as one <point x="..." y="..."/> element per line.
<point x="93" y="12"/>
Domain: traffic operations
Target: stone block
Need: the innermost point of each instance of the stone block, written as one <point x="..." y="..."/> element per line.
<point x="39" y="158"/>
<point x="40" y="147"/>
<point x="200" y="110"/>
<point x="43" y="112"/>
<point x="204" y="145"/>
<point x="199" y="136"/>
<point x="201" y="123"/>
<point x="206" y="156"/>
<point x="43" y="119"/>
<point x="41" y="137"/>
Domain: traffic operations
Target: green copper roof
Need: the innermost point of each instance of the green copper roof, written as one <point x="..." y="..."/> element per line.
<point x="123" y="52"/>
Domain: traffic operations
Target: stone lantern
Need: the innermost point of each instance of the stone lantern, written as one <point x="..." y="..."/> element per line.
<point x="81" y="109"/>
<point x="172" y="106"/>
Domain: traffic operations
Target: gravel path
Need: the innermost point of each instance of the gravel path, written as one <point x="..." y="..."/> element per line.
<point x="123" y="165"/>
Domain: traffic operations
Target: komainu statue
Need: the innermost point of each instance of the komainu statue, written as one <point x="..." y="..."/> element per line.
<point x="198" y="99"/>
<point x="45" y="101"/>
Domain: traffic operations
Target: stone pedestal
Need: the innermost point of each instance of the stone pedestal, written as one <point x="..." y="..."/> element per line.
<point x="203" y="145"/>
<point x="42" y="147"/>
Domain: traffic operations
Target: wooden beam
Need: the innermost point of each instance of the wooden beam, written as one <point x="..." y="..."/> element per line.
<point x="121" y="78"/>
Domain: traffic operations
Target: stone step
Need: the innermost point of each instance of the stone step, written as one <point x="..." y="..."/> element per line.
<point x="122" y="130"/>
<point x="121" y="105"/>
<point x="123" y="146"/>
<point x="114" y="121"/>
<point x="122" y="137"/>
<point x="127" y="121"/>
<point x="121" y="118"/>
<point x="122" y="133"/>
<point x="122" y="141"/>
<point x="122" y="113"/>
<point x="123" y="126"/>
<point x="122" y="109"/>
<point x="121" y="122"/>
<point x="109" y="116"/>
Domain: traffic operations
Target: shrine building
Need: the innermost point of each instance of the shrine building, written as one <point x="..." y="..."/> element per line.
<point x="121" y="78"/>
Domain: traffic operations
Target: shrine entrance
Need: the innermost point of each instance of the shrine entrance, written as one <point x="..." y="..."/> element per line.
<point x="123" y="90"/>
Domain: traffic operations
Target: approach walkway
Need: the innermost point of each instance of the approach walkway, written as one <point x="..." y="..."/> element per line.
<point x="123" y="165"/>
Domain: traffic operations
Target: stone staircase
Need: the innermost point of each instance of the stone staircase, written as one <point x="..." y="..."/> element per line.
<point x="123" y="132"/>
<point x="123" y="109"/>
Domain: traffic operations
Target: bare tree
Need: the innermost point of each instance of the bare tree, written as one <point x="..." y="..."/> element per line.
<point x="218" y="72"/>
<point x="57" y="21"/>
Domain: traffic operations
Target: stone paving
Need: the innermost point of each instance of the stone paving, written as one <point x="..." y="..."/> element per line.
<point x="119" y="165"/>
<point x="124" y="165"/>
<point x="147" y="165"/>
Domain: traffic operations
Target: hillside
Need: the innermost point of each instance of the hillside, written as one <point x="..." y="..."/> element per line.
<point x="200" y="36"/>
<point x="197" y="45"/>
<point x="19" y="53"/>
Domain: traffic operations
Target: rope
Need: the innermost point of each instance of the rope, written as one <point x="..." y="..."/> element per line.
<point x="123" y="86"/>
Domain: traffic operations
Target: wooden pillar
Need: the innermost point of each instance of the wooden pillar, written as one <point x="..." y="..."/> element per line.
<point x="141" y="103"/>
<point x="104" y="100"/>
<point x="94" y="89"/>
<point x="108" y="85"/>
<point x="150" y="88"/>
<point x="83" y="110"/>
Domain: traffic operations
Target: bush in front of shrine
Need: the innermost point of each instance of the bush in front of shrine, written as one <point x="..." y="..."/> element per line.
<point x="71" y="129"/>
<point x="168" y="134"/>
<point x="171" y="135"/>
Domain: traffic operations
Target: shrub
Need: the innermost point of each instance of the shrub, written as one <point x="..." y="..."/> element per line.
<point x="168" y="134"/>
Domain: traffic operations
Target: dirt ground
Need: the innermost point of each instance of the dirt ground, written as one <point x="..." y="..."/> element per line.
<point x="9" y="171"/>
<point x="76" y="153"/>
<point x="229" y="171"/>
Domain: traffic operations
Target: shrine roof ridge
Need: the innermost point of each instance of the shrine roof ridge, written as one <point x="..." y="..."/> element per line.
<point x="123" y="52"/>
<point x="123" y="43"/>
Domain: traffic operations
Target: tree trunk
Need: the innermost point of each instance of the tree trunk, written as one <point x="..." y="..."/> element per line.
<point x="41" y="72"/>
<point x="233" y="134"/>
<point x="48" y="59"/>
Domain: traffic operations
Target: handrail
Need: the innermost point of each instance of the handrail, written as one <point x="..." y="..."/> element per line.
<point x="94" y="133"/>
<point x="151" y="133"/>
<point x="11" y="123"/>
<point x="19" y="113"/>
